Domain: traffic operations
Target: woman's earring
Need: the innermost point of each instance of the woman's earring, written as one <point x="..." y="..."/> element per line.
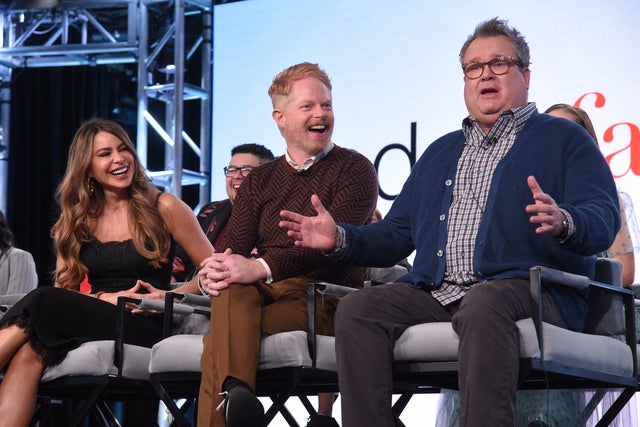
<point x="90" y="186"/>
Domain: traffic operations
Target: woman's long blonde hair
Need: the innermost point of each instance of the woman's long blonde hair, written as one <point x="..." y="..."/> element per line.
<point x="79" y="203"/>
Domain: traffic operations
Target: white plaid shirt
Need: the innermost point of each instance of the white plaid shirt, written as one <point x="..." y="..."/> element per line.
<point x="478" y="161"/>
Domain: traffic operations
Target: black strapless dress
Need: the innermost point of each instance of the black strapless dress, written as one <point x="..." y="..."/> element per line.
<point x="58" y="320"/>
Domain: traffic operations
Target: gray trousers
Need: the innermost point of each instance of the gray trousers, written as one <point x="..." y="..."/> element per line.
<point x="369" y="321"/>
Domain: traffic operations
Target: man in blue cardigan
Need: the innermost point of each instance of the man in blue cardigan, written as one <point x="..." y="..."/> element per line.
<point x="510" y="190"/>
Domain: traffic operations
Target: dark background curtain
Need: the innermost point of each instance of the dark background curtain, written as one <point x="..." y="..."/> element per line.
<point x="47" y="106"/>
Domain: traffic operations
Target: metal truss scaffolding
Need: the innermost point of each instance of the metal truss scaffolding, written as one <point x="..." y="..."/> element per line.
<point x="57" y="33"/>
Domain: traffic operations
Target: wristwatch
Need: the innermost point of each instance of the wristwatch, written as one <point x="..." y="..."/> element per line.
<point x="565" y="227"/>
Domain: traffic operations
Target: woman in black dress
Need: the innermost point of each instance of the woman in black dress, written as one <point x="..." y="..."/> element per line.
<point x="118" y="229"/>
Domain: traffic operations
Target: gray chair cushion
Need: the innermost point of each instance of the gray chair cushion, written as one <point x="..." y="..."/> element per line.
<point x="437" y="342"/>
<point x="136" y="362"/>
<point x="96" y="358"/>
<point x="426" y="342"/>
<point x="291" y="349"/>
<point x="284" y="349"/>
<point x="276" y="351"/>
<point x="177" y="353"/>
<point x="326" y="353"/>
<point x="594" y="352"/>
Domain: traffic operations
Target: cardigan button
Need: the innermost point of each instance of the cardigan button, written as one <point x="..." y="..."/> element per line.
<point x="442" y="217"/>
<point x="440" y="253"/>
<point x="448" y="182"/>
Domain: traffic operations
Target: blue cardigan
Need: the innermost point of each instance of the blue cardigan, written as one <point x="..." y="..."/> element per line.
<point x="567" y="165"/>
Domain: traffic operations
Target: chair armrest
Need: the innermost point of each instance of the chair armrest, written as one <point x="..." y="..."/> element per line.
<point x="313" y="289"/>
<point x="187" y="304"/>
<point x="557" y="277"/>
<point x="120" y="330"/>
<point x="551" y="277"/>
<point x="159" y="306"/>
<point x="184" y="304"/>
<point x="199" y="301"/>
<point x="326" y="288"/>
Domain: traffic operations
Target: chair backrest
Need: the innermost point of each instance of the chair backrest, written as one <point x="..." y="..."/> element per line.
<point x="606" y="311"/>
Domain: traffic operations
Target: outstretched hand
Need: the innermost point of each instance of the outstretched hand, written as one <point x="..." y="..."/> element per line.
<point x="544" y="211"/>
<point x="314" y="232"/>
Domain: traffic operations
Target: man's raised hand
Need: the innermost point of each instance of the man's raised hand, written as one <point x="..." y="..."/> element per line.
<point x="544" y="212"/>
<point x="314" y="232"/>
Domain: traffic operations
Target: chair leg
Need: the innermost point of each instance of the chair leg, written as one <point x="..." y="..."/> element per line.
<point x="184" y="408"/>
<point x="277" y="406"/>
<point x="616" y="407"/>
<point x="401" y="403"/>
<point x="85" y="406"/>
<point x="178" y="417"/>
<point x="307" y="405"/>
<point x="591" y="405"/>
<point x="42" y="411"/>
<point x="283" y="411"/>
<point x="399" y="406"/>
<point x="105" y="415"/>
<point x="397" y="422"/>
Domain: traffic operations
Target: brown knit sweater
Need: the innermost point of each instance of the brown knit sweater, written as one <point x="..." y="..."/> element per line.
<point x="347" y="185"/>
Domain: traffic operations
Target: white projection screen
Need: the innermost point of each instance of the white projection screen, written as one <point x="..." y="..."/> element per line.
<point x="394" y="67"/>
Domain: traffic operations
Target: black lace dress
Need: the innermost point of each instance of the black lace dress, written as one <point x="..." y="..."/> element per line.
<point x="59" y="320"/>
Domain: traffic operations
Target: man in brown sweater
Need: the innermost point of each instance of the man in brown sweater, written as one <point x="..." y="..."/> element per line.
<point x="254" y="297"/>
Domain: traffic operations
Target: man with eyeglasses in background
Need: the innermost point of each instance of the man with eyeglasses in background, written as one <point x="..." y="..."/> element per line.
<point x="214" y="216"/>
<point x="510" y="190"/>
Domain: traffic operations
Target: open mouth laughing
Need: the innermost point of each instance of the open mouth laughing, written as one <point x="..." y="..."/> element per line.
<point x="319" y="128"/>
<point x="120" y="171"/>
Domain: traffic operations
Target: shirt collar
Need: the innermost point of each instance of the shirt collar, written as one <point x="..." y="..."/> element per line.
<point x="311" y="160"/>
<point x="519" y="114"/>
<point x="522" y="114"/>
